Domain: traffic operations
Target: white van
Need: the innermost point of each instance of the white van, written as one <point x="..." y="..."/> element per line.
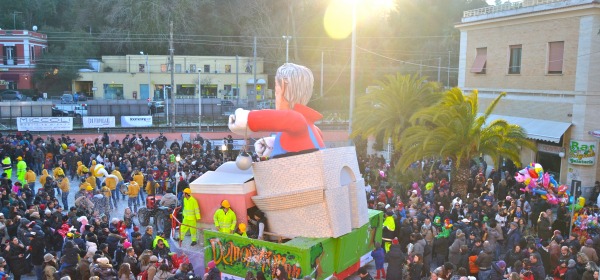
<point x="74" y="110"/>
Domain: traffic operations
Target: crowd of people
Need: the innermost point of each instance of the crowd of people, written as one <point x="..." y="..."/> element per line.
<point x="47" y="236"/>
<point x="495" y="232"/>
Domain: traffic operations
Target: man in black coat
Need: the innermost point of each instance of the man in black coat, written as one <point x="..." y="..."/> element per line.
<point x="147" y="239"/>
<point x="36" y="248"/>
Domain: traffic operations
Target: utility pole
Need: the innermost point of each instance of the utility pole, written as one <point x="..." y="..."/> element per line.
<point x="15" y="19"/>
<point x="322" y="68"/>
<point x="448" y="70"/>
<point x="254" y="69"/>
<point x="172" y="51"/>
<point x="199" y="103"/>
<point x="287" y="47"/>
<point x="237" y="80"/>
<point x="439" y="68"/>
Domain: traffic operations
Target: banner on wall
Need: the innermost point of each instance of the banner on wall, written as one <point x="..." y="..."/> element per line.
<point x="45" y="124"/>
<point x="136" y="121"/>
<point x="98" y="122"/>
<point x="583" y="152"/>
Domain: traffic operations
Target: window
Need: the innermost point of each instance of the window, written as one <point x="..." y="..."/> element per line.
<point x="192" y="68"/>
<point x="177" y="68"/>
<point x="163" y="68"/>
<point x="514" y="65"/>
<point x="206" y="68"/>
<point x="9" y="56"/>
<point x="480" y="61"/>
<point x="113" y="91"/>
<point x="32" y="54"/>
<point x="227" y="68"/>
<point x="142" y="67"/>
<point x="555" y="57"/>
<point x="187" y="89"/>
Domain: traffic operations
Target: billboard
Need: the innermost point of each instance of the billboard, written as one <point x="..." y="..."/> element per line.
<point x="45" y="124"/>
<point x="99" y="122"/>
<point x="136" y="121"/>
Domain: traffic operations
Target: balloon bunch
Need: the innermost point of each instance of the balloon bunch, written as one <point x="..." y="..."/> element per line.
<point x="543" y="184"/>
<point x="585" y="222"/>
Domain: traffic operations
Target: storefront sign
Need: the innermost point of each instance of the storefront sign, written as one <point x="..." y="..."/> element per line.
<point x="583" y="152"/>
<point x="136" y="121"/>
<point x="549" y="148"/>
<point x="45" y="124"/>
<point x="98" y="122"/>
<point x="595" y="133"/>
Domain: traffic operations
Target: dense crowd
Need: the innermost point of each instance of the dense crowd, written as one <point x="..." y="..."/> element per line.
<point x="44" y="235"/>
<point x="495" y="232"/>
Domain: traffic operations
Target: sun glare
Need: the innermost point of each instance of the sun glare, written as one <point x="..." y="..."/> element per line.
<point x="338" y="19"/>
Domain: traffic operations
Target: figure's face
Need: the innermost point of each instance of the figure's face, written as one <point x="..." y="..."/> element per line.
<point x="280" y="102"/>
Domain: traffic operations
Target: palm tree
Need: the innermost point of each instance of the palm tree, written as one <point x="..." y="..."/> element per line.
<point x="388" y="109"/>
<point x="453" y="128"/>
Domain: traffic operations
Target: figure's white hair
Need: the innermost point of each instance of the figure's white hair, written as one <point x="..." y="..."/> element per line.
<point x="298" y="82"/>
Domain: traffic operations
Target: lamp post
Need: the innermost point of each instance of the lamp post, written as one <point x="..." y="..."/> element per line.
<point x="352" y="70"/>
<point x="199" y="103"/>
<point x="177" y="159"/>
<point x="287" y="47"/>
<point x="167" y="101"/>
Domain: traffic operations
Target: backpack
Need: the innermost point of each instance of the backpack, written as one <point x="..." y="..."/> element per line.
<point x="144" y="274"/>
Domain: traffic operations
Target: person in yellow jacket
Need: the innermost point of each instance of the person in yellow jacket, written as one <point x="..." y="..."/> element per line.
<point x="30" y="177"/>
<point x="57" y="171"/>
<point x="111" y="185"/>
<point x="81" y="169"/>
<point x="242" y="230"/>
<point x="44" y="176"/>
<point x="139" y="179"/>
<point x="21" y="170"/>
<point x="191" y="213"/>
<point x="225" y="219"/>
<point x="64" y="186"/>
<point x="108" y="194"/>
<point x="133" y="192"/>
<point x="119" y="184"/>
<point x="91" y="180"/>
<point x="151" y="186"/>
<point x="7" y="166"/>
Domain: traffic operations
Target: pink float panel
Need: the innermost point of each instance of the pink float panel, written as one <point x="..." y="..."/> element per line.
<point x="209" y="203"/>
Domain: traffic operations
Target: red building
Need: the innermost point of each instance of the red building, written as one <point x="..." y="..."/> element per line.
<point x="20" y="49"/>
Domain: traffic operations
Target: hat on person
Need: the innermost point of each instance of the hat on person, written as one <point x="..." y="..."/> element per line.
<point x="225" y="204"/>
<point x="89" y="188"/>
<point x="589" y="242"/>
<point x="188" y="191"/>
<point x="47" y="212"/>
<point x="153" y="258"/>
<point x="459" y="233"/>
<point x="30" y="234"/>
<point x="395" y="241"/>
<point x="19" y="158"/>
<point x="465" y="220"/>
<point x="558" y="239"/>
<point x="571" y="263"/>
<point x="48" y="257"/>
<point x="242" y="227"/>
<point x="2" y="260"/>
<point x="126" y="245"/>
<point x="104" y="260"/>
<point x="211" y="264"/>
<point x="501" y="264"/>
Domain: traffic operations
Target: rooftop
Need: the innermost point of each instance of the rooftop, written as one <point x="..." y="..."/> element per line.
<point x="520" y="7"/>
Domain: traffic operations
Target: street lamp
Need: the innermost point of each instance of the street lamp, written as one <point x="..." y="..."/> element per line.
<point x="352" y="70"/>
<point x="199" y="103"/>
<point x="177" y="159"/>
<point x="287" y="46"/>
<point x="167" y="101"/>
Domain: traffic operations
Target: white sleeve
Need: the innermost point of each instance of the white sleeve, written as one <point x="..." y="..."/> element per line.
<point x="261" y="229"/>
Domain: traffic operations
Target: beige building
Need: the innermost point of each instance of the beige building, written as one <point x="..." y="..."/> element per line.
<point x="128" y="77"/>
<point x="545" y="54"/>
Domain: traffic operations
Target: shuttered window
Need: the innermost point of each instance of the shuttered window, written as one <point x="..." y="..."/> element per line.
<point x="555" y="57"/>
<point x="480" y="61"/>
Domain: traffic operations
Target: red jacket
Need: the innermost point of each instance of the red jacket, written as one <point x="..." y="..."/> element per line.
<point x="296" y="127"/>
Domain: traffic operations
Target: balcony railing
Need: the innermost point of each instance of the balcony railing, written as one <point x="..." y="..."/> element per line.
<point x="506" y="7"/>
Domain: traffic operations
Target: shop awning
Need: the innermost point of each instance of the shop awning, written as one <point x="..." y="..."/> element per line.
<point x="258" y="82"/>
<point x="536" y="129"/>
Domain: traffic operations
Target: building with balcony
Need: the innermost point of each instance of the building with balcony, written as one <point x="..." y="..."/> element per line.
<point x="545" y="54"/>
<point x="20" y="50"/>
<point x="149" y="77"/>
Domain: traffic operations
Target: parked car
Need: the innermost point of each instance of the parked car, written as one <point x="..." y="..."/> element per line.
<point x="74" y="110"/>
<point x="12" y="95"/>
<point x="156" y="107"/>
<point x="67" y="98"/>
<point x="59" y="113"/>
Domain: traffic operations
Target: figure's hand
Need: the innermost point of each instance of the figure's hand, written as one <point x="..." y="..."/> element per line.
<point x="264" y="146"/>
<point x="238" y="122"/>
